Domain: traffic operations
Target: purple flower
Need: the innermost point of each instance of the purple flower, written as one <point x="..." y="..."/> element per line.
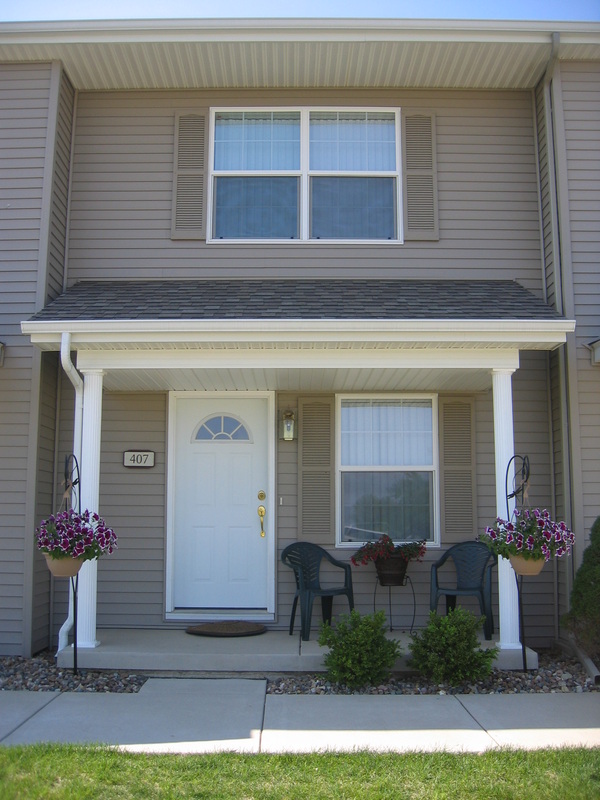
<point x="546" y="552"/>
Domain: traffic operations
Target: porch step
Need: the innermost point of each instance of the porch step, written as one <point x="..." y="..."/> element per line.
<point x="273" y="651"/>
<point x="151" y="650"/>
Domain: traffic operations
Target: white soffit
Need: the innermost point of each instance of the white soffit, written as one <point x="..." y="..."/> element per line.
<point x="256" y="54"/>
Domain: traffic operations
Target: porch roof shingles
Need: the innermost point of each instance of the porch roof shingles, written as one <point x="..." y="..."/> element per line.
<point x="297" y="300"/>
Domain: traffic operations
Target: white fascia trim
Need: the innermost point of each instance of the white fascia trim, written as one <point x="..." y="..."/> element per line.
<point x="304" y="30"/>
<point x="199" y="331"/>
<point x="298" y="359"/>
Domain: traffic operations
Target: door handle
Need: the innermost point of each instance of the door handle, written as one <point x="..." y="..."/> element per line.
<point x="261" y="514"/>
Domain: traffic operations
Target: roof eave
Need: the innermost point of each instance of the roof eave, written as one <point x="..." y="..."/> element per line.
<point x="303" y="53"/>
<point x="161" y="334"/>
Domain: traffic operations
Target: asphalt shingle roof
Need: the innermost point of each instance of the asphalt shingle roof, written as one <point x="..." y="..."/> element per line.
<point x="297" y="299"/>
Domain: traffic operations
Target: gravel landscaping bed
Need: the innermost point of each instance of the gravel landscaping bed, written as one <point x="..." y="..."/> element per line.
<point x="556" y="673"/>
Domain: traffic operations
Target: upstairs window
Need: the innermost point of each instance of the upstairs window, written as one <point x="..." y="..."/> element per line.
<point x="305" y="174"/>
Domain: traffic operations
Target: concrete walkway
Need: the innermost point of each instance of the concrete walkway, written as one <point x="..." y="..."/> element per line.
<point x="192" y="715"/>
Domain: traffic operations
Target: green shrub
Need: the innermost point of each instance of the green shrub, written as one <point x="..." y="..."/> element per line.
<point x="448" y="651"/>
<point x="584" y="617"/>
<point x="360" y="653"/>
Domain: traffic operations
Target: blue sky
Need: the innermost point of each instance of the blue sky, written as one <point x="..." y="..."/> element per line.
<point x="561" y="10"/>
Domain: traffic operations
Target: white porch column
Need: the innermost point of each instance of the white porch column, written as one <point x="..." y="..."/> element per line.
<point x="89" y="493"/>
<point x="504" y="447"/>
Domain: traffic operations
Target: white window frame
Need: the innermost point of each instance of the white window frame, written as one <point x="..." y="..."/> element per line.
<point x="304" y="173"/>
<point x="434" y="468"/>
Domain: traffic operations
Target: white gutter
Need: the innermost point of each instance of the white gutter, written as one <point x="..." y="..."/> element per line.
<point x="76" y="380"/>
<point x="525" y="334"/>
<point x="292" y="29"/>
<point x="301" y="327"/>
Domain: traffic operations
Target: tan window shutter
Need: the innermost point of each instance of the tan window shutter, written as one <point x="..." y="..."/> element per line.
<point x="316" y="470"/>
<point x="419" y="176"/>
<point x="457" y="463"/>
<point x="189" y="176"/>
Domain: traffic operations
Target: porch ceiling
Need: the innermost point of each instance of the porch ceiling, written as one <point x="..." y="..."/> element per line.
<point x="299" y="380"/>
<point x="304" y="53"/>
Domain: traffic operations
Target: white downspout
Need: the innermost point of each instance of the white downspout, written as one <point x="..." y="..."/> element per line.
<point x="76" y="380"/>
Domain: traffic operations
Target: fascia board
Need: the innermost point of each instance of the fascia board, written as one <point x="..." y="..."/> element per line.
<point x="277" y="333"/>
<point x="293" y="30"/>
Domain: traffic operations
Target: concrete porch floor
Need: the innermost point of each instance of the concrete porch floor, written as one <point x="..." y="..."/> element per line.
<point x="274" y="651"/>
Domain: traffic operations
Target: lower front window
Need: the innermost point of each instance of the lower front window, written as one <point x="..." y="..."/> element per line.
<point x="387" y="459"/>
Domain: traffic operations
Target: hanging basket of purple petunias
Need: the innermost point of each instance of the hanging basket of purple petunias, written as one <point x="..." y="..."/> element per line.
<point x="532" y="534"/>
<point x="79" y="535"/>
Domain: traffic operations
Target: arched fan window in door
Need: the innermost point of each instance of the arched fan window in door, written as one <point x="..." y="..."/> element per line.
<point x="223" y="428"/>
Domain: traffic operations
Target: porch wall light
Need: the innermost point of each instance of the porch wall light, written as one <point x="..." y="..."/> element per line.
<point x="594" y="348"/>
<point x="287" y="426"/>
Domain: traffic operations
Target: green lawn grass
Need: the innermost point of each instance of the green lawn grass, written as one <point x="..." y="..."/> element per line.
<point x="73" y="772"/>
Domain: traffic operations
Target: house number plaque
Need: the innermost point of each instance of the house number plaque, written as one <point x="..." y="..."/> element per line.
<point x="138" y="458"/>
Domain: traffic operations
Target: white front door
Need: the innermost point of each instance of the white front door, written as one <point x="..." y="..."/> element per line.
<point x="221" y="472"/>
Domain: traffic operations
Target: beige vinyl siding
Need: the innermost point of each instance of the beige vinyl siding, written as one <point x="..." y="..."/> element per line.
<point x="49" y="486"/>
<point x="24" y="102"/>
<point x="533" y="438"/>
<point x="122" y="193"/>
<point x="287" y="512"/>
<point x="581" y="103"/>
<point x="46" y="485"/>
<point x="547" y="193"/>
<point x="132" y="501"/>
<point x="60" y="190"/>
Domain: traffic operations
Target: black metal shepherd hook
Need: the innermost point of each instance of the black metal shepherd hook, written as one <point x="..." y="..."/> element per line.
<point x="520" y="482"/>
<point x="72" y="481"/>
<point x="72" y="485"/>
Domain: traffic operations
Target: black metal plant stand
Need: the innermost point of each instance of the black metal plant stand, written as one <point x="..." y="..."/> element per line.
<point x="406" y="580"/>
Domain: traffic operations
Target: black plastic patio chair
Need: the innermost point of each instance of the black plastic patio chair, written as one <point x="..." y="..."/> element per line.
<point x="474" y="563"/>
<point x="305" y="559"/>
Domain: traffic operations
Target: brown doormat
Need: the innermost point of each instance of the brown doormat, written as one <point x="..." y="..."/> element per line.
<point x="226" y="628"/>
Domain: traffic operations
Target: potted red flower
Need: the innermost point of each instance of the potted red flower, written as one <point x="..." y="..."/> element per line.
<point x="391" y="560"/>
